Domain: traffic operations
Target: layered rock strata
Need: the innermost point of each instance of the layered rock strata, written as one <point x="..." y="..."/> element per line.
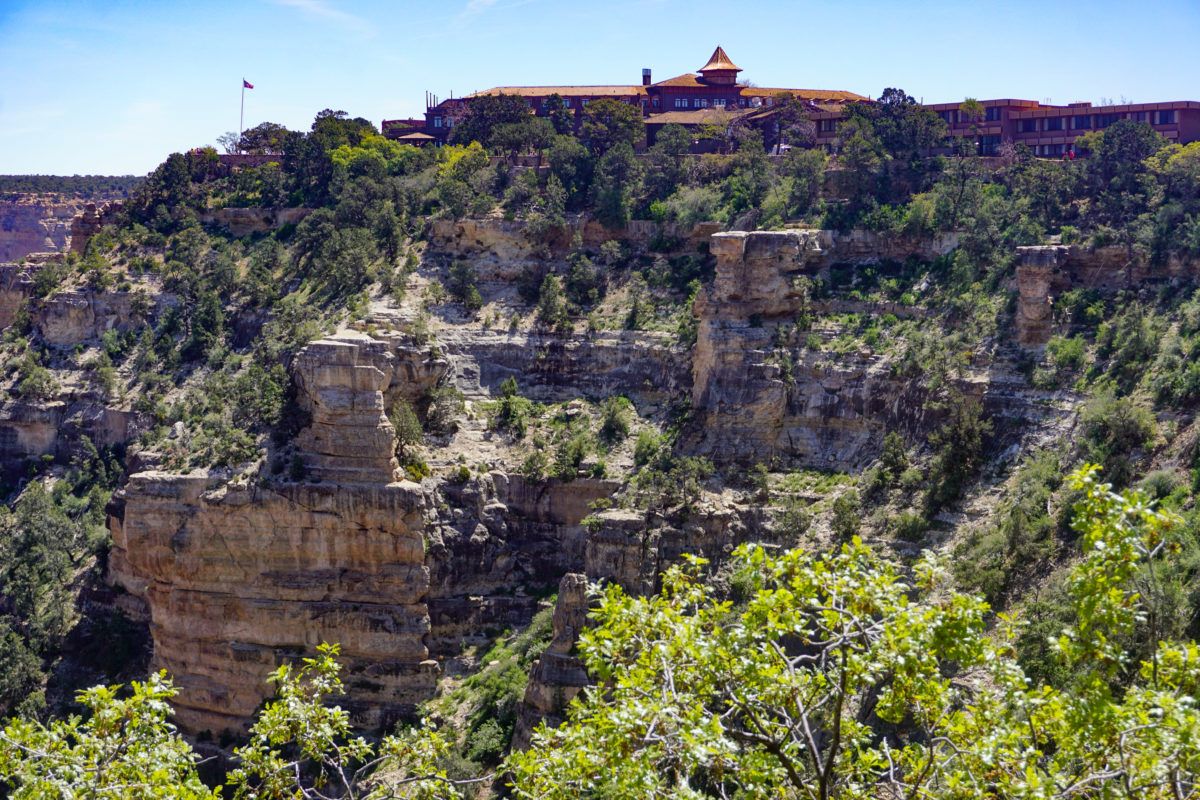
<point x="238" y="580"/>
<point x="1044" y="272"/>
<point x="558" y="675"/>
<point x="241" y="222"/>
<point x="341" y="383"/>
<point x="747" y="407"/>
<point x="35" y="223"/>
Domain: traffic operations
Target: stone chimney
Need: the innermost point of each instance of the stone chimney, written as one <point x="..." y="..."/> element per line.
<point x="646" y="76"/>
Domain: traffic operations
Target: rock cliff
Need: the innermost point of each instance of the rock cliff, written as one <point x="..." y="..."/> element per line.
<point x="827" y="414"/>
<point x="1045" y="271"/>
<point x="36" y="224"/>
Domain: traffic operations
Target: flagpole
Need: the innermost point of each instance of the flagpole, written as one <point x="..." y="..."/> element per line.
<point x="242" y="116"/>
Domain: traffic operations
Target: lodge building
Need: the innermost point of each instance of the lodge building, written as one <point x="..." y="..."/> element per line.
<point x="714" y="95"/>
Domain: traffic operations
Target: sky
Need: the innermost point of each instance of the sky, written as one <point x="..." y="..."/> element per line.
<point x="114" y="86"/>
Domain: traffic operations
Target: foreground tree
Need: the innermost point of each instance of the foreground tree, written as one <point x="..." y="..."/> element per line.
<point x="826" y="676"/>
<point x="837" y="678"/>
<point x="125" y="749"/>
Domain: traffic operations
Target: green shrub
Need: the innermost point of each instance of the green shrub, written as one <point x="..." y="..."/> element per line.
<point x="1021" y="538"/>
<point x="1113" y="429"/>
<point x="409" y="432"/>
<point x="443" y="405"/>
<point x="847" y="515"/>
<point x="615" y="413"/>
<point x="552" y="309"/>
<point x="1067" y="354"/>
<point x="462" y="285"/>
<point x="646" y="447"/>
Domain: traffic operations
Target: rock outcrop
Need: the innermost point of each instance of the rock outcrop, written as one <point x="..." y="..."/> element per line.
<point x="35" y="223"/>
<point x="1045" y="271"/>
<point x="341" y="383"/>
<point x="69" y="318"/>
<point x="829" y="415"/>
<point x="258" y="219"/>
<point x="558" y="675"/>
<point x="16" y="286"/>
<point x="500" y="248"/>
<point x="239" y="579"/>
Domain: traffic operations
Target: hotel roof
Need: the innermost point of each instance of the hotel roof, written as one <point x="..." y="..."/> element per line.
<point x="718" y="61"/>
<point x="574" y="91"/>
<point x="692" y="81"/>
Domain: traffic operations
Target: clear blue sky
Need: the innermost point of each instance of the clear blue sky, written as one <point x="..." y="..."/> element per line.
<point x="113" y="86"/>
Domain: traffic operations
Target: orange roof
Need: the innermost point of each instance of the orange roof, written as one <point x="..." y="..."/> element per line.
<point x="686" y="79"/>
<point x="691" y="81"/>
<point x="565" y="91"/>
<point x="827" y="95"/>
<point x="719" y="61"/>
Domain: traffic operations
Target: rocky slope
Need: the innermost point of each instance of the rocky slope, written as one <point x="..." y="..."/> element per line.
<point x="236" y="571"/>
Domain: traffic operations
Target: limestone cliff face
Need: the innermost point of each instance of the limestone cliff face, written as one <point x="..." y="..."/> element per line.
<point x="16" y="285"/>
<point x="69" y="318"/>
<point x="34" y="223"/>
<point x="558" y="675"/>
<point x="247" y="221"/>
<point x="1045" y="271"/>
<point x="341" y="383"/>
<point x="237" y="580"/>
<point x="501" y="248"/>
<point x="826" y="414"/>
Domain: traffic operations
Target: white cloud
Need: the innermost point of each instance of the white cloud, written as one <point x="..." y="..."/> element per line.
<point x="476" y="7"/>
<point x="323" y="10"/>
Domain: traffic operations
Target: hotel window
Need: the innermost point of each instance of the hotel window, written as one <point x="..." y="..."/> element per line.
<point x="1028" y="126"/>
<point x="719" y="102"/>
<point x="701" y="102"/>
<point x="1054" y="123"/>
<point x="681" y="102"/>
<point x="654" y="102"/>
<point x="1165" y="117"/>
<point x="1081" y="122"/>
<point x="437" y="122"/>
<point x="992" y="114"/>
<point x="1104" y="120"/>
<point x="945" y="115"/>
<point x="583" y="103"/>
<point x="1140" y="116"/>
<point x="989" y="145"/>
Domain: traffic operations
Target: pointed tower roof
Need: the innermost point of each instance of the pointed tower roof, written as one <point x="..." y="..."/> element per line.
<point x="719" y="62"/>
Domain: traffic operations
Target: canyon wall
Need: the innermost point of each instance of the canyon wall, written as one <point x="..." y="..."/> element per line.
<point x="32" y="223"/>
<point x="1046" y="271"/>
<point x="827" y="413"/>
